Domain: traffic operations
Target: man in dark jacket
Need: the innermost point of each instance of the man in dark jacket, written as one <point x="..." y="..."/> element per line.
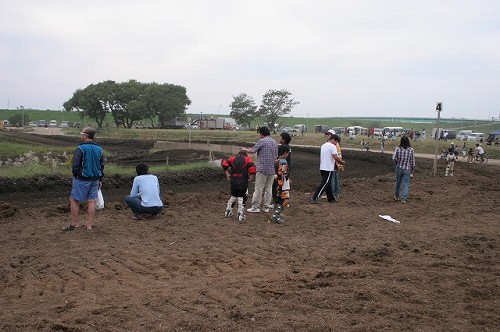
<point x="88" y="170"/>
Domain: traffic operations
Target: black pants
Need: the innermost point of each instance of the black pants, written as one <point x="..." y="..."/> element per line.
<point x="325" y="186"/>
<point x="237" y="192"/>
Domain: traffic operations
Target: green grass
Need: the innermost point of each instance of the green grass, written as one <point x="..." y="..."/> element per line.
<point x="13" y="149"/>
<point x="31" y="170"/>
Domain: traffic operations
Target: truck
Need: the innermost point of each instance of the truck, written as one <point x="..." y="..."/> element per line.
<point x="212" y="124"/>
<point x="321" y="128"/>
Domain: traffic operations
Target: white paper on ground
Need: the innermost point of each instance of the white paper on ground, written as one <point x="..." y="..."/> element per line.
<point x="389" y="218"/>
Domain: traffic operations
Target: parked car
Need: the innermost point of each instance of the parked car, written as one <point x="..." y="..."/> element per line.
<point x="64" y="124"/>
<point x="42" y="123"/>
<point x="288" y="129"/>
<point x="32" y="124"/>
<point x="462" y="134"/>
<point x="452" y="134"/>
<point x="76" y="125"/>
<point x="479" y="137"/>
<point x="53" y="123"/>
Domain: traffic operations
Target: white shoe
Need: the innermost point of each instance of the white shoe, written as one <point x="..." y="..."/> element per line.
<point x="253" y="210"/>
<point x="266" y="209"/>
<point x="241" y="216"/>
<point x="228" y="213"/>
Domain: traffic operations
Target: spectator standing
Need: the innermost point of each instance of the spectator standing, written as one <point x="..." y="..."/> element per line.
<point x="450" y="163"/>
<point x="242" y="171"/>
<point x="464" y="150"/>
<point x="144" y="198"/>
<point x="283" y="184"/>
<point x="88" y="171"/>
<point x="267" y="151"/>
<point x="404" y="157"/>
<point x="338" y="167"/>
<point x="328" y="157"/>
<point x="285" y="140"/>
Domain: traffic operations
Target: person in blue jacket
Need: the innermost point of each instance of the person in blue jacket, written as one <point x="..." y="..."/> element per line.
<point x="88" y="171"/>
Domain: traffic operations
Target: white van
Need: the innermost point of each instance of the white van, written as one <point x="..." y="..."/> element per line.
<point x="393" y="131"/>
<point x="462" y="134"/>
<point x="475" y="137"/>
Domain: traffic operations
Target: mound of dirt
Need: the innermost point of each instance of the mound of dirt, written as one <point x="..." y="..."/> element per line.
<point x="7" y="210"/>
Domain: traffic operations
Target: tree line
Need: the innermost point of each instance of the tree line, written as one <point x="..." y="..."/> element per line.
<point x="133" y="101"/>
<point x="275" y="104"/>
<point x="129" y="102"/>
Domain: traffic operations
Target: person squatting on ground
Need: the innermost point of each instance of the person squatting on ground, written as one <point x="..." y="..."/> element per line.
<point x="267" y="151"/>
<point x="282" y="183"/>
<point x="88" y="171"/>
<point x="242" y="171"/>
<point x="450" y="163"/>
<point x="144" y="199"/>
<point x="285" y="139"/>
<point x="404" y="157"/>
<point x="328" y="157"/>
<point x="338" y="167"/>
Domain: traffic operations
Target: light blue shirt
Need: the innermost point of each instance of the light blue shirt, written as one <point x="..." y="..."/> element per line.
<point x="147" y="187"/>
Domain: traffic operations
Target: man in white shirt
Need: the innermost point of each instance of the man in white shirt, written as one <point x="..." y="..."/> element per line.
<point x="479" y="151"/>
<point x="328" y="157"/>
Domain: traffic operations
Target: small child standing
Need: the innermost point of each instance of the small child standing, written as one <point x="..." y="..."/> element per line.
<point x="282" y="183"/>
<point x="450" y="163"/>
<point x="242" y="171"/>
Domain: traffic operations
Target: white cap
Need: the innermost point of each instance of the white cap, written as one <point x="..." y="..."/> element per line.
<point x="330" y="132"/>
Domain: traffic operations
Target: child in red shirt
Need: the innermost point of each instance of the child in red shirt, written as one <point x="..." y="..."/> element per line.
<point x="242" y="171"/>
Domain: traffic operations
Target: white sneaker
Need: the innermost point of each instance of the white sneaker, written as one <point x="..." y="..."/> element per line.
<point x="253" y="210"/>
<point x="228" y="213"/>
<point x="266" y="209"/>
<point x="241" y="216"/>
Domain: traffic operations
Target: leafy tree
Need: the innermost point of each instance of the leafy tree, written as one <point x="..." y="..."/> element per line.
<point x="17" y="119"/>
<point x="244" y="110"/>
<point x="165" y="101"/>
<point x="94" y="101"/>
<point x="128" y="93"/>
<point x="276" y="103"/>
<point x="130" y="101"/>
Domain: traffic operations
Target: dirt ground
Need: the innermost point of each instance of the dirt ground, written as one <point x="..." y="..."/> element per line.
<point x="329" y="267"/>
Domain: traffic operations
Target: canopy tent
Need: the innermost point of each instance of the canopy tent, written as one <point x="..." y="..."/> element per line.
<point x="495" y="133"/>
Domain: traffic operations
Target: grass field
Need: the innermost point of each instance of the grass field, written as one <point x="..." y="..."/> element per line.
<point x="289" y="121"/>
<point x="49" y="166"/>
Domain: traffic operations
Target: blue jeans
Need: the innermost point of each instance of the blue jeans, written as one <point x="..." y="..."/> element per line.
<point x="335" y="183"/>
<point x="134" y="203"/>
<point x="402" y="176"/>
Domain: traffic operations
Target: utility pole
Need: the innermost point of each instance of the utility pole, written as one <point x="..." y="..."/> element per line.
<point x="439" y="108"/>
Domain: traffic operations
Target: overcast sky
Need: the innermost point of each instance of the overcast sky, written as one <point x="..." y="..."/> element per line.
<point x="338" y="58"/>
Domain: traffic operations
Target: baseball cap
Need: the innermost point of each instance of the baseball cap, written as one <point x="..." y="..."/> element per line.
<point x="330" y="132"/>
